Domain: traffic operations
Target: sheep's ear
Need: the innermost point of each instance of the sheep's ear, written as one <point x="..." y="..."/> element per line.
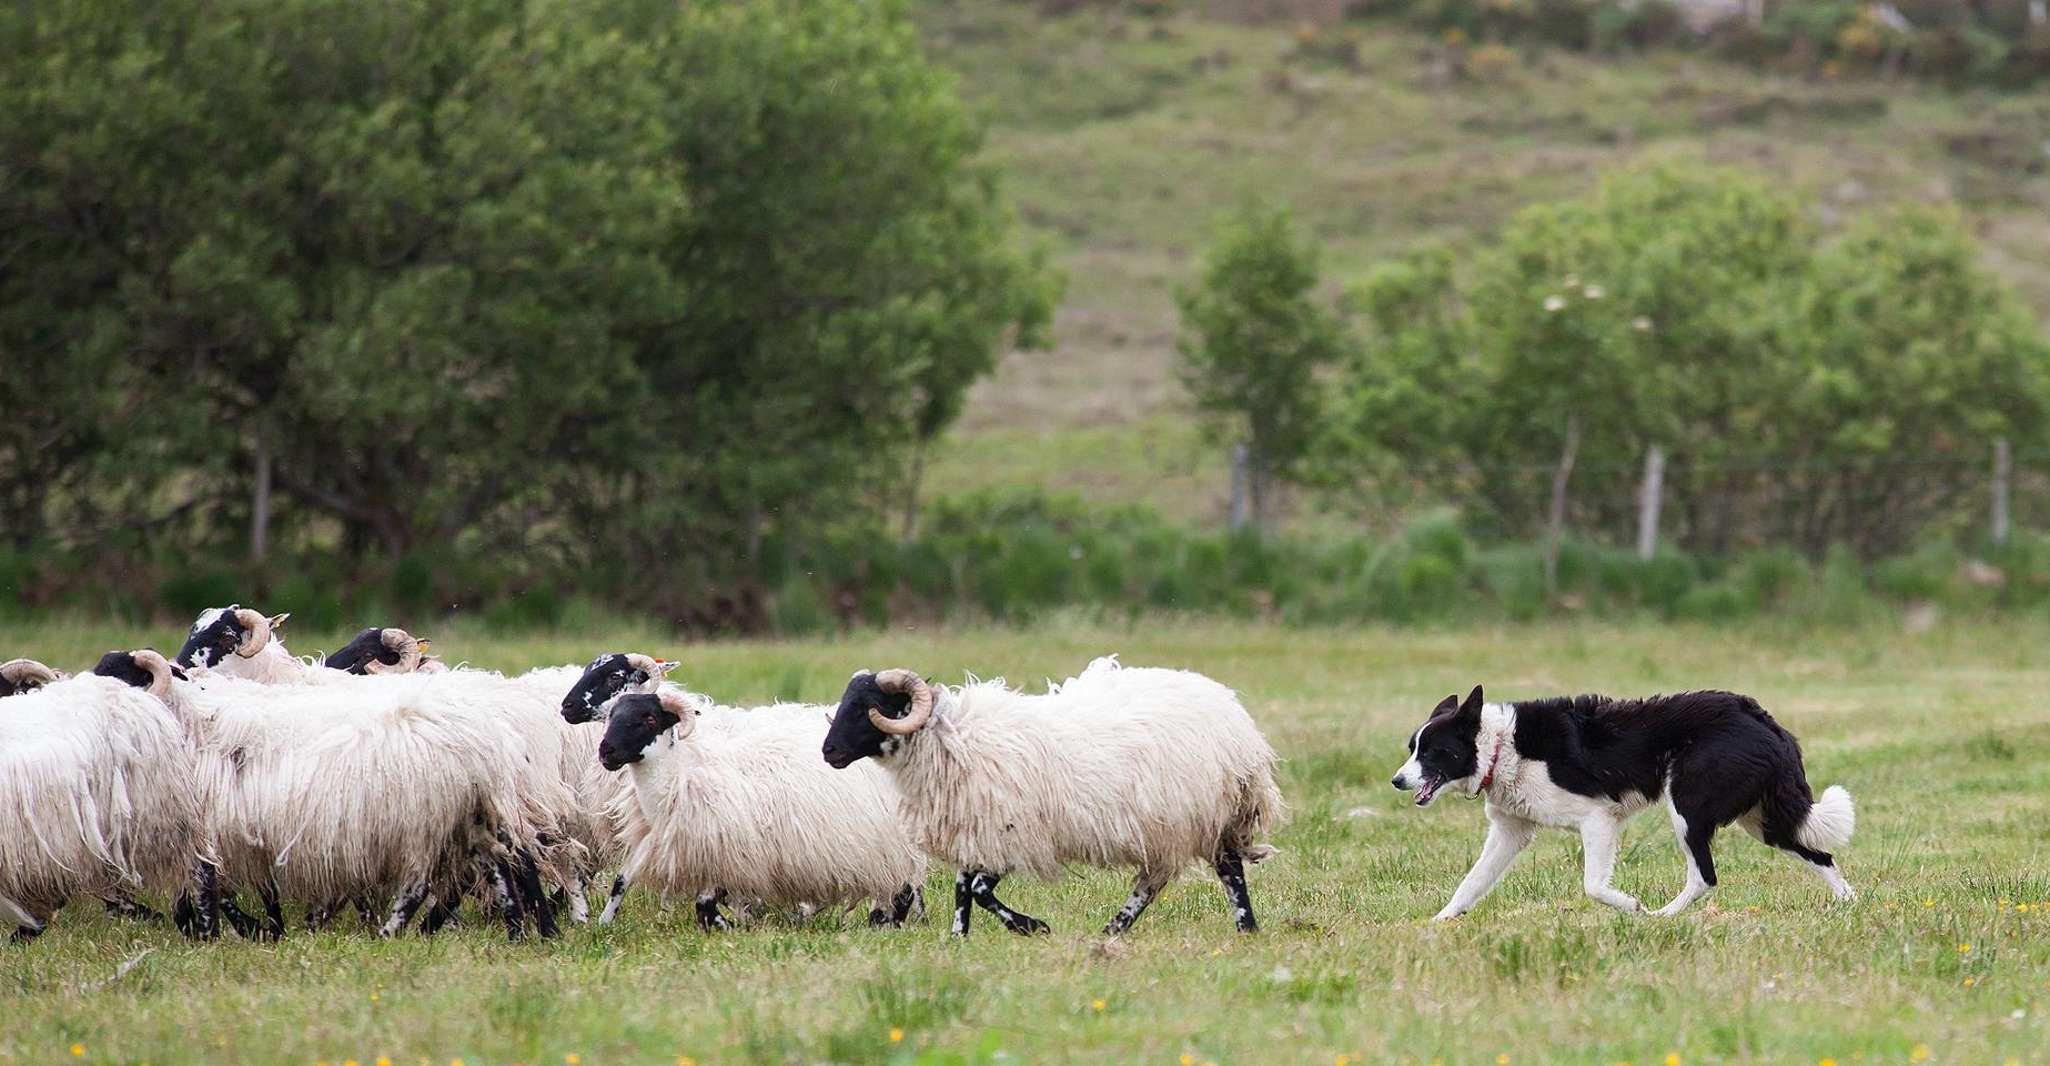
<point x="277" y="620"/>
<point x="663" y="666"/>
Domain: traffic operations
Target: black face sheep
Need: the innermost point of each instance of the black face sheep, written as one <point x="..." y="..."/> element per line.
<point x="97" y="779"/>
<point x="749" y="810"/>
<point x="1147" y="768"/>
<point x="24" y="675"/>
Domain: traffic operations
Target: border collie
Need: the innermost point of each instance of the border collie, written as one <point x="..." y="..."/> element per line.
<point x="1591" y="763"/>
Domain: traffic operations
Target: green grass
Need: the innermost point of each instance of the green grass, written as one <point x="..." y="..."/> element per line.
<point x="1122" y="138"/>
<point x="1942" y="736"/>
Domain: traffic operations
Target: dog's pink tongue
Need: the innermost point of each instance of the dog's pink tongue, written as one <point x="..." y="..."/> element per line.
<point x="1424" y="794"/>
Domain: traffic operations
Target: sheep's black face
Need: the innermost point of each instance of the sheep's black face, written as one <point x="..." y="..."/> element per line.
<point x="852" y="736"/>
<point x="122" y="667"/>
<point x="213" y="638"/>
<point x="633" y="722"/>
<point x="365" y="648"/>
<point x="606" y="677"/>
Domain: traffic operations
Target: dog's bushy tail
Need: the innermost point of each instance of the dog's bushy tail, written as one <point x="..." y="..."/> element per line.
<point x="1829" y="822"/>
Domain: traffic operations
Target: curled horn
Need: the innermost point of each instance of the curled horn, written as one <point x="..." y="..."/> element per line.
<point x="649" y="665"/>
<point x="255" y="631"/>
<point x="159" y="670"/>
<point x="686" y="714"/>
<point x="405" y="644"/>
<point x="26" y="673"/>
<point x="921" y="703"/>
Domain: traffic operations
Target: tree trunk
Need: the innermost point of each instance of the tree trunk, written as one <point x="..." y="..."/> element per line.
<point x="911" y="490"/>
<point x="1239" y="512"/>
<point x="259" y="501"/>
<point x="1562" y="475"/>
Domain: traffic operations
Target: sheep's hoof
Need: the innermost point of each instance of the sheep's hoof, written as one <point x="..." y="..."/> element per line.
<point x="1026" y="925"/>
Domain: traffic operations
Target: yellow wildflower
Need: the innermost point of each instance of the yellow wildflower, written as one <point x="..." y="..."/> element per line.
<point x="896" y="1036"/>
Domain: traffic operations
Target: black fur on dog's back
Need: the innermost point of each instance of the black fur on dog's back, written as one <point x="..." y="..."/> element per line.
<point x="1721" y="752"/>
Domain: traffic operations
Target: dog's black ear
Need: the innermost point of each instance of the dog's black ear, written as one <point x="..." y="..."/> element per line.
<point x="1446" y="705"/>
<point x="1472" y="707"/>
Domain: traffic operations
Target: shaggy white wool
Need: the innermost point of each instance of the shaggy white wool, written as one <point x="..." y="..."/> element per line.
<point x="97" y="793"/>
<point x="743" y="802"/>
<point x="1135" y="767"/>
<point x="353" y="788"/>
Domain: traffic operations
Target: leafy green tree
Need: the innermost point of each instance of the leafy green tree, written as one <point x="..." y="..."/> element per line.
<point x="1696" y="310"/>
<point x="622" y="286"/>
<point x="1255" y="337"/>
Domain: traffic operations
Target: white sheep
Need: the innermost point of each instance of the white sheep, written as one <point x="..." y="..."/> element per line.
<point x="336" y="791"/>
<point x="98" y="789"/>
<point x="25" y="675"/>
<point x="1147" y="768"/>
<point x="236" y="641"/>
<point x="750" y="811"/>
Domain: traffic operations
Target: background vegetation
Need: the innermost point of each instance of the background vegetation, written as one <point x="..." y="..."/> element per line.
<point x="715" y="317"/>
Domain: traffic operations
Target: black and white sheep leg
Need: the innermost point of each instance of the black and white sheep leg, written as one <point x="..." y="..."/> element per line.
<point x="894" y="910"/>
<point x="964" y="903"/>
<point x="1231" y="870"/>
<point x="507" y="900"/>
<point x="402" y="909"/>
<point x="612" y="901"/>
<point x="122" y="905"/>
<point x="1145" y="887"/>
<point x="982" y="886"/>
<point x="709" y="918"/>
<point x="272" y="926"/>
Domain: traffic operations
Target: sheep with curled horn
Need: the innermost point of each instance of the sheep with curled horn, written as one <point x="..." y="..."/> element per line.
<point x="237" y="641"/>
<point x="382" y="787"/>
<point x="99" y="781"/>
<point x="1147" y="768"/>
<point x="384" y="650"/>
<point x="25" y="675"/>
<point x="613" y="674"/>
<point x="746" y="808"/>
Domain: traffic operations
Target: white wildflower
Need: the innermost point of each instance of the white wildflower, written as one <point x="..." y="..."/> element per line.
<point x="1555" y="302"/>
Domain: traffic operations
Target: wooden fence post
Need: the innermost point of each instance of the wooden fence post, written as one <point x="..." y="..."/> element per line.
<point x="1562" y="475"/>
<point x="1648" y="499"/>
<point x="2003" y="477"/>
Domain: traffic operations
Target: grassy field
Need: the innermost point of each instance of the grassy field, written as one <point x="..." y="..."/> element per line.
<point x="1942" y="736"/>
<point x="1121" y="138"/>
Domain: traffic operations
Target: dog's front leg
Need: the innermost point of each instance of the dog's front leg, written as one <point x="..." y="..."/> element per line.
<point x="1599" y="836"/>
<point x="1508" y="835"/>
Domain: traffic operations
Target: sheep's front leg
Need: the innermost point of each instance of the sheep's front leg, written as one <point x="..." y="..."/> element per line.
<point x="579" y="900"/>
<point x="402" y="909"/>
<point x="506" y="899"/>
<point x="709" y="918"/>
<point x="200" y="916"/>
<point x="613" y="900"/>
<point x="1599" y="837"/>
<point x="273" y="927"/>
<point x="1508" y="835"/>
<point x="893" y="909"/>
<point x="1145" y="887"/>
<point x="964" y="903"/>
<point x="982" y="886"/>
<point x="529" y="874"/>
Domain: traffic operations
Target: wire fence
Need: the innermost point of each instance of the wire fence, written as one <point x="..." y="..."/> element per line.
<point x="1874" y="506"/>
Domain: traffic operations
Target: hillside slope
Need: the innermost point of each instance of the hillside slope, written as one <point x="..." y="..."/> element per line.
<point x="1122" y="138"/>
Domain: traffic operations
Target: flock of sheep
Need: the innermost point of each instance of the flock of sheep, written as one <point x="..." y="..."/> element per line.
<point x="382" y="780"/>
